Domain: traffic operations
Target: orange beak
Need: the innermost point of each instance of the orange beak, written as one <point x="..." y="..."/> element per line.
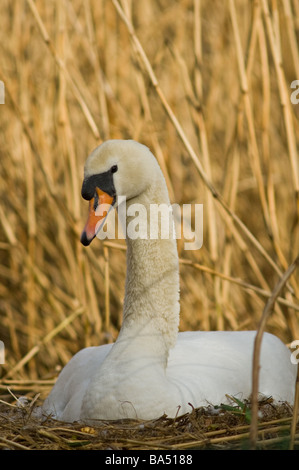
<point x="96" y="215"/>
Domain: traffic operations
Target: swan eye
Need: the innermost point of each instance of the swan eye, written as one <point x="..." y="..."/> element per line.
<point x="114" y="169"/>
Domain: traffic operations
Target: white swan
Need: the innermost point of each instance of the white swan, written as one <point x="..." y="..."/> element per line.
<point x="151" y="369"/>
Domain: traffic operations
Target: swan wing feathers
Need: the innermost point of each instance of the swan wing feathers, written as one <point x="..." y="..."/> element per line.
<point x="211" y="365"/>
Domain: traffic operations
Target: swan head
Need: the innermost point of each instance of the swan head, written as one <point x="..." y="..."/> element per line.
<point x="115" y="168"/>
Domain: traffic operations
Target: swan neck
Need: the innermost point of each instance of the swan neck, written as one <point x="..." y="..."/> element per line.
<point x="151" y="303"/>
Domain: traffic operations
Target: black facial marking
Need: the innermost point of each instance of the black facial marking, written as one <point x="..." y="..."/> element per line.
<point x="96" y="201"/>
<point x="104" y="181"/>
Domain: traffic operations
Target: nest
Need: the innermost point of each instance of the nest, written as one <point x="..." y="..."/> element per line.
<point x="213" y="428"/>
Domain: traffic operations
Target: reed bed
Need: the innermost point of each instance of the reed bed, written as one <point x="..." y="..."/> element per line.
<point x="207" y="86"/>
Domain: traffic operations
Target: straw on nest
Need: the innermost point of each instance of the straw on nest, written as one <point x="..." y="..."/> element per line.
<point x="226" y="427"/>
<point x="206" y="85"/>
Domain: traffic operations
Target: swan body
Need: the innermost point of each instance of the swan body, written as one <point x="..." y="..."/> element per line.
<point x="152" y="369"/>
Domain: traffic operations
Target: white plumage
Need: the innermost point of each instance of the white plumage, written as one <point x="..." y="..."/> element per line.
<point x="151" y="369"/>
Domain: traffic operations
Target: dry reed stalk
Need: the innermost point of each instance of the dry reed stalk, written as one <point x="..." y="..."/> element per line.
<point x="232" y="185"/>
<point x="105" y="128"/>
<point x="256" y="163"/>
<point x="257" y="347"/>
<point x="8" y="230"/>
<point x="200" y="129"/>
<point x="30" y="206"/>
<point x="266" y="145"/>
<point x="13" y="444"/>
<point x="246" y="73"/>
<point x="196" y="104"/>
<point x="66" y="137"/>
<point x="156" y="146"/>
<point x="197" y="38"/>
<point x="284" y="97"/>
<point x="291" y="29"/>
<point x="295" y="418"/>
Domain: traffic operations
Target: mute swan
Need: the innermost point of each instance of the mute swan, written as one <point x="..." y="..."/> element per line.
<point x="152" y="369"/>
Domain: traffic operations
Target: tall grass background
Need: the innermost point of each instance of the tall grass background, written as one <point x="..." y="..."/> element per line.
<point x="206" y="86"/>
